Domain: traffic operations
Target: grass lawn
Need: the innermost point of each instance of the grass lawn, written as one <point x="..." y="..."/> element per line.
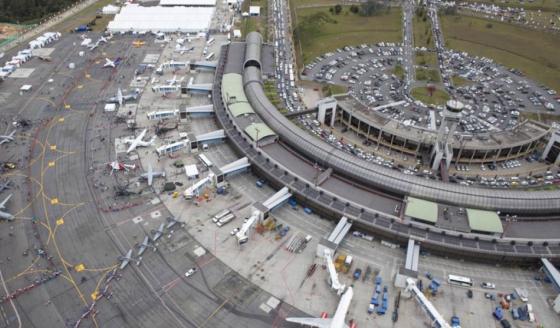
<point x="426" y="59"/>
<point x="399" y="71"/>
<point x="534" y="53"/>
<point x="430" y="75"/>
<point x="459" y="81"/>
<point x="272" y="94"/>
<point x="439" y="96"/>
<point x="422" y="29"/>
<point x="255" y="23"/>
<point x="333" y="89"/>
<point x="85" y="16"/>
<point x="346" y="29"/>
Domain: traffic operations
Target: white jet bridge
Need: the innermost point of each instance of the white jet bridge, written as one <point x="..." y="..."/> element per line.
<point x="437" y="320"/>
<point x="260" y="212"/>
<point x="331" y="243"/>
<point x="217" y="177"/>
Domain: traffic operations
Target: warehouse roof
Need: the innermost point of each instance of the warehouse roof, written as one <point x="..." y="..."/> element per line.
<point x="422" y="210"/>
<point x="259" y="130"/>
<point x="191" y="3"/>
<point x="234" y="96"/>
<point x="162" y="19"/>
<point x="484" y="221"/>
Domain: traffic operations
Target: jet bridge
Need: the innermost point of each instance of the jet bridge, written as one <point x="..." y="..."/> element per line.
<point x="239" y="166"/>
<point x="197" y="111"/>
<point x="333" y="241"/>
<point x="203" y="65"/>
<point x="410" y="269"/>
<point x="260" y="212"/>
<point x="437" y="320"/>
<point x="211" y="137"/>
<point x="552" y="273"/>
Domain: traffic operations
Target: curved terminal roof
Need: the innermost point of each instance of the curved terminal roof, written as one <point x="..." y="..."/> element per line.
<point x="348" y="165"/>
<point x="234" y="96"/>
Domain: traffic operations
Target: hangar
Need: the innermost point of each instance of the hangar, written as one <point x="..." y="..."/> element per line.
<point x="135" y="18"/>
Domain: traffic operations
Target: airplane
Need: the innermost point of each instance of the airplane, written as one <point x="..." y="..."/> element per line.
<point x="5" y="215"/>
<point x="171" y="222"/>
<point x="150" y="175"/>
<point x="7" y="138"/>
<point x="121" y="98"/>
<point x="158" y="233"/>
<point x="138" y="43"/>
<point x="111" y="63"/>
<point x="182" y="50"/>
<point x="174" y="80"/>
<point x="5" y="185"/>
<point x="145" y="244"/>
<point x="337" y="320"/>
<point x="118" y="166"/>
<point x="125" y="260"/>
<point x="138" y="142"/>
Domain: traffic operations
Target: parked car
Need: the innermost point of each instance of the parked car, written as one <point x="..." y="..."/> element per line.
<point x="488" y="285"/>
<point x="190" y="272"/>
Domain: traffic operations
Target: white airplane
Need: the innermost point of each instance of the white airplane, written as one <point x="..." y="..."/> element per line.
<point x="5" y="185"/>
<point x="138" y="142"/>
<point x="5" y="215"/>
<point x="182" y="50"/>
<point x="118" y="166"/>
<point x="7" y="138"/>
<point x="125" y="260"/>
<point x="174" y="80"/>
<point x="112" y="63"/>
<point x="158" y="233"/>
<point x="121" y="98"/>
<point x="171" y="222"/>
<point x="150" y="175"/>
<point x="337" y="320"/>
<point x="145" y="244"/>
<point x="86" y="42"/>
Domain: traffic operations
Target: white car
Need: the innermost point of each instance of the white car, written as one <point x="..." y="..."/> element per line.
<point x="488" y="285"/>
<point x="190" y="272"/>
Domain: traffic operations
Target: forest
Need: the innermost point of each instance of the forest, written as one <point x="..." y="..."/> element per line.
<point x="29" y="11"/>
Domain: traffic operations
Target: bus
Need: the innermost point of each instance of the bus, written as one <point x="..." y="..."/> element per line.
<point x="220" y="215"/>
<point x="210" y="56"/>
<point x="160" y="115"/>
<point x="225" y="219"/>
<point x="460" y="281"/>
<point x="211" y="41"/>
<point x="205" y="160"/>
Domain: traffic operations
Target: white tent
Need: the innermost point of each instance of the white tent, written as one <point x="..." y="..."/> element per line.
<point x="162" y="19"/>
<point x="110" y="10"/>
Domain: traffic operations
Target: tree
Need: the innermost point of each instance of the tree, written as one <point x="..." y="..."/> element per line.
<point x="371" y="8"/>
<point x="337" y="9"/>
<point x="354" y="9"/>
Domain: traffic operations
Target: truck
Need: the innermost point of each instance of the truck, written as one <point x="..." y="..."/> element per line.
<point x="82" y="28"/>
<point x="357" y="273"/>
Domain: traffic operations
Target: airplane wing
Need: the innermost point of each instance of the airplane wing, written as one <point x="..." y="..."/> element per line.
<point x="150" y="175"/>
<point x="3" y="141"/>
<point x="313" y="322"/>
<point x="5" y="201"/>
<point x="120" y="97"/>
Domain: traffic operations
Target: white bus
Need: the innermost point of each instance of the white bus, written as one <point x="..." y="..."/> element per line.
<point x="210" y="41"/>
<point x="220" y="215"/>
<point x="160" y="115"/>
<point x="205" y="160"/>
<point x="210" y="56"/>
<point x="225" y="219"/>
<point x="459" y="280"/>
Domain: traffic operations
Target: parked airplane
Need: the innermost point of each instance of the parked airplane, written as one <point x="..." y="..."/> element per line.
<point x="5" y="215"/>
<point x="174" y="80"/>
<point x="145" y="244"/>
<point x="337" y="320"/>
<point x="171" y="222"/>
<point x="150" y="175"/>
<point x="138" y="142"/>
<point x="112" y="63"/>
<point x="7" y="138"/>
<point x="182" y="50"/>
<point x="125" y="260"/>
<point x="121" y="98"/>
<point x="118" y="166"/>
<point x="5" y="185"/>
<point x="158" y="233"/>
<point x="97" y="43"/>
<point x="138" y="43"/>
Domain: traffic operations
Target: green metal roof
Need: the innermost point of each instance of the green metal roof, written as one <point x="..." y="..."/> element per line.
<point x="259" y="129"/>
<point x="421" y="210"/>
<point x="484" y="221"/>
<point x="234" y="95"/>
